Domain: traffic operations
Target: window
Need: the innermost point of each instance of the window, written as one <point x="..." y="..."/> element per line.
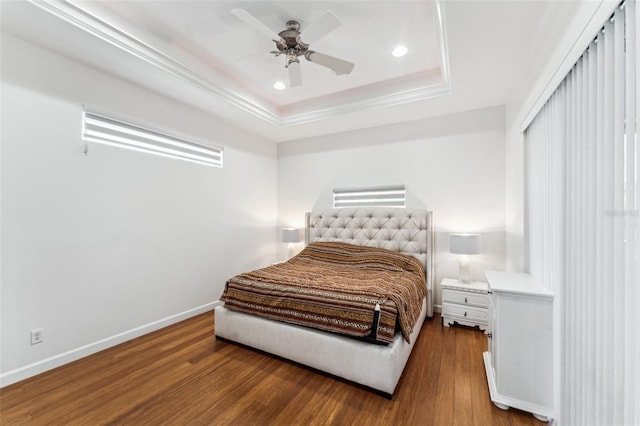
<point x="392" y="196"/>
<point x="100" y="129"/>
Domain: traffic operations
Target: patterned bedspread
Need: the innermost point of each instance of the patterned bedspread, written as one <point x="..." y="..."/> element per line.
<point x="335" y="287"/>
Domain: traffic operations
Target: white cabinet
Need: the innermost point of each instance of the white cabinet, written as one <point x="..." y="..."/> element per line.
<point x="465" y="304"/>
<point x="519" y="362"/>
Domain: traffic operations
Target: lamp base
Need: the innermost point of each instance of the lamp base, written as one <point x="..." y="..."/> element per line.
<point x="465" y="269"/>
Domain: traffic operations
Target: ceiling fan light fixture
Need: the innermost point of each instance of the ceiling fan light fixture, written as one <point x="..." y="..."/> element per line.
<point x="289" y="43"/>
<point x="399" y="51"/>
<point x="279" y="85"/>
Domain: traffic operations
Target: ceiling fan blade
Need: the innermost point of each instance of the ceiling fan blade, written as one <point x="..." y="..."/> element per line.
<point x="320" y="28"/>
<point x="295" y="76"/>
<point x="339" y="66"/>
<point x="257" y="24"/>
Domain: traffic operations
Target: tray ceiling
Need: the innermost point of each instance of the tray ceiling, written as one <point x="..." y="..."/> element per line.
<point x="201" y="54"/>
<point x="204" y="43"/>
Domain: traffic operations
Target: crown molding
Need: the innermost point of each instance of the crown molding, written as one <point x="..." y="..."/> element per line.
<point x="101" y="29"/>
<point x="392" y="99"/>
<point x="97" y="27"/>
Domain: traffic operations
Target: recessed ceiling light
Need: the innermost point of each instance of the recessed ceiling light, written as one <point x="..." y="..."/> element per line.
<point x="399" y="50"/>
<point x="279" y="85"/>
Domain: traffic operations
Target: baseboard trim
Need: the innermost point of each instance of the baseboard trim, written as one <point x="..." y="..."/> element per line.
<point x="50" y="363"/>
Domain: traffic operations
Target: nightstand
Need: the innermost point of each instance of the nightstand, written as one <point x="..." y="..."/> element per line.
<point x="465" y="304"/>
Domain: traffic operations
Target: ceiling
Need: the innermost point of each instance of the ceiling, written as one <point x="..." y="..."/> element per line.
<point x="461" y="55"/>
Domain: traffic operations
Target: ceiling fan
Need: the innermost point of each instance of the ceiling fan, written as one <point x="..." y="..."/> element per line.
<point x="288" y="43"/>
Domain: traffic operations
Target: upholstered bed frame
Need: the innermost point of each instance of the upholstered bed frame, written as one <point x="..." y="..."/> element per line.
<point x="375" y="366"/>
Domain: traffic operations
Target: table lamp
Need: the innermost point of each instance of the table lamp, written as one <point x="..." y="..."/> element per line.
<point x="464" y="245"/>
<point x="291" y="236"/>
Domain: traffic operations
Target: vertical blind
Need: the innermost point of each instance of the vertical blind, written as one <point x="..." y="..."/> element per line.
<point x="583" y="214"/>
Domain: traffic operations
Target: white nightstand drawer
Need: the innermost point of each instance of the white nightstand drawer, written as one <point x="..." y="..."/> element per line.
<point x="466" y="313"/>
<point x="465" y="298"/>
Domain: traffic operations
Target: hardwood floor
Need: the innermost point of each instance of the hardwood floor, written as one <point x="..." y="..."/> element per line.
<point x="181" y="375"/>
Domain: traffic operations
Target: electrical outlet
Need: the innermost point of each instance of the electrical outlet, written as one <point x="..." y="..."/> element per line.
<point x="37" y="336"/>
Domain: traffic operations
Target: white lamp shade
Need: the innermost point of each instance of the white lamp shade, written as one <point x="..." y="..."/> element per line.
<point x="464" y="243"/>
<point x="290" y="235"/>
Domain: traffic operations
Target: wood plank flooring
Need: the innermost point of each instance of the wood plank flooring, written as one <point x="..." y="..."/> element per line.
<point x="181" y="375"/>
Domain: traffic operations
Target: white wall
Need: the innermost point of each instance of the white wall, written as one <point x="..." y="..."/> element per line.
<point x="514" y="196"/>
<point x="97" y="249"/>
<point x="453" y="165"/>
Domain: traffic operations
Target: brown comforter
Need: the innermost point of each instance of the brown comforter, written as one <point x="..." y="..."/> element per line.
<point x="335" y="286"/>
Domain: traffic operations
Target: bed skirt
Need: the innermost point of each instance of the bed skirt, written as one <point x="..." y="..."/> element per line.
<point x="376" y="366"/>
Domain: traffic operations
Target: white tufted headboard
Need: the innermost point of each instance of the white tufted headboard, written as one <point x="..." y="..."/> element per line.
<point x="403" y="230"/>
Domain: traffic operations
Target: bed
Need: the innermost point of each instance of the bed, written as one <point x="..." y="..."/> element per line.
<point x="376" y="366"/>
